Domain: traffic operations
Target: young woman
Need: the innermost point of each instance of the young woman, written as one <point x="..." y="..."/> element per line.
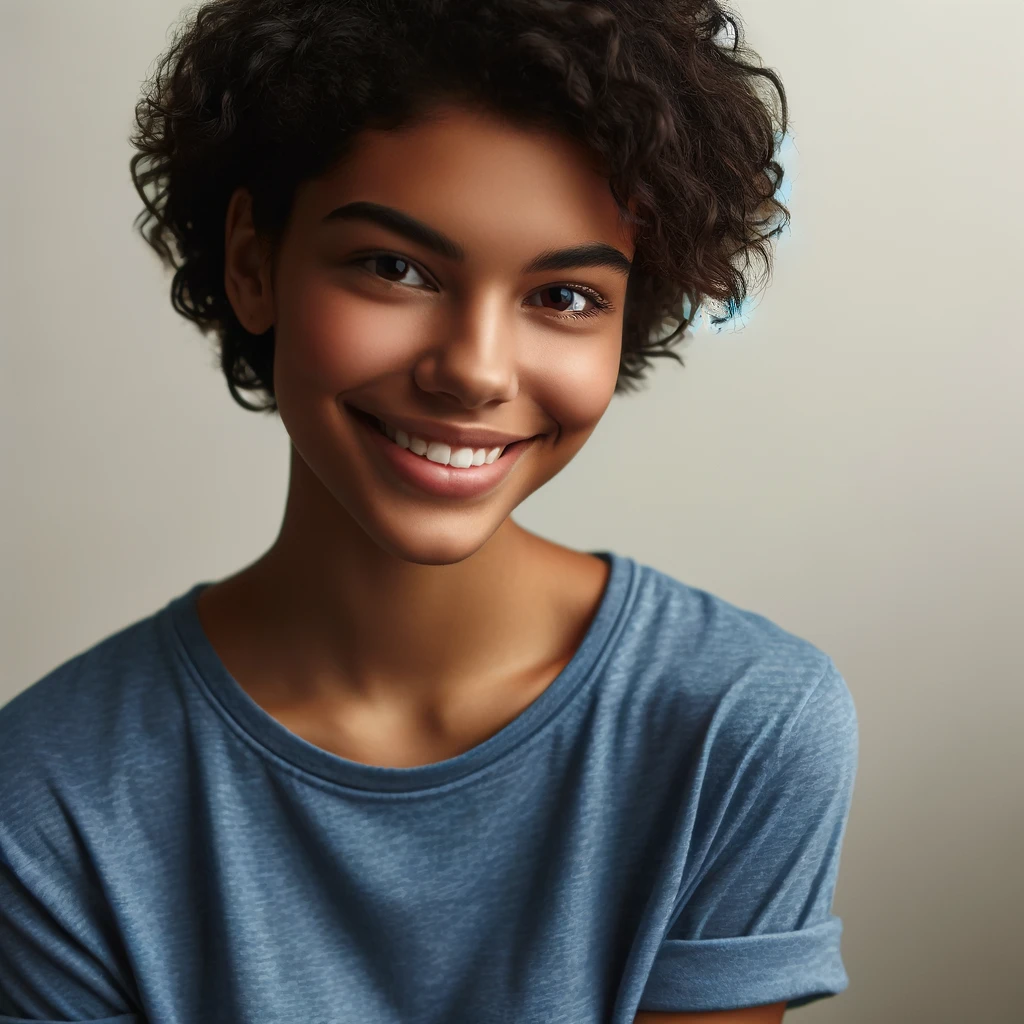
<point x="416" y="763"/>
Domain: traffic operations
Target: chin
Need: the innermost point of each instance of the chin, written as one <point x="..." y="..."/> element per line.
<point x="440" y="553"/>
<point x="439" y="539"/>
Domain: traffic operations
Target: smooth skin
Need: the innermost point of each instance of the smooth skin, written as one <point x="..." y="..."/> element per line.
<point x="385" y="625"/>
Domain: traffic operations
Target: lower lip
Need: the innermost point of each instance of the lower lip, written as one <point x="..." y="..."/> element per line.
<point x="432" y="477"/>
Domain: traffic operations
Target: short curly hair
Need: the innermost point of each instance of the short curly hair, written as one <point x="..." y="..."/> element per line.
<point x="269" y="94"/>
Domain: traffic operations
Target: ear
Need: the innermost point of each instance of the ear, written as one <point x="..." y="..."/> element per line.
<point x="247" y="266"/>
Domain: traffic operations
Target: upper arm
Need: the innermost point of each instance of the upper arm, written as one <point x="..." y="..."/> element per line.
<point x="770" y="1014"/>
<point x="56" y="961"/>
<point x="753" y="918"/>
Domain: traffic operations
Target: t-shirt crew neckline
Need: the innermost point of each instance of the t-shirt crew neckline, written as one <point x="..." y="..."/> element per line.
<point x="260" y="729"/>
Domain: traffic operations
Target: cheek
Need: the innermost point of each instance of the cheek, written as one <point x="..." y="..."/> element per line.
<point x="330" y="340"/>
<point x="575" y="381"/>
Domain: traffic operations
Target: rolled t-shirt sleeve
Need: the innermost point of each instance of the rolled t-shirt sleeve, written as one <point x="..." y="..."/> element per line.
<point x="754" y="925"/>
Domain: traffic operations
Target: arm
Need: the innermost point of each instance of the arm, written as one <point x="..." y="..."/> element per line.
<point x="754" y="922"/>
<point x="770" y="1014"/>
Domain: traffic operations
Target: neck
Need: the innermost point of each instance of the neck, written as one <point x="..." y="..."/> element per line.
<point x="332" y="616"/>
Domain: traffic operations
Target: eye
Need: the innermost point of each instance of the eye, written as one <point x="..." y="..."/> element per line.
<point x="563" y="293"/>
<point x="395" y="267"/>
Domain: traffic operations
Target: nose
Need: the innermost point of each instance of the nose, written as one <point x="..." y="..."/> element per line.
<point x="475" y="363"/>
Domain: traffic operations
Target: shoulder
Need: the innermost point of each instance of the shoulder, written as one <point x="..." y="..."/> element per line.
<point x="71" y="739"/>
<point x="83" y="696"/>
<point x="741" y="689"/>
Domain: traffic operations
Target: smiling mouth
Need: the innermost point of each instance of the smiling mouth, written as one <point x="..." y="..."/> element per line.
<point x="377" y="425"/>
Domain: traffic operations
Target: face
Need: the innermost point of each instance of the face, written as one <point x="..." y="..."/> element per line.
<point x="444" y="316"/>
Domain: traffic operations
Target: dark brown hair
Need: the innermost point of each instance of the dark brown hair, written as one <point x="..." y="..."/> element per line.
<point x="270" y="93"/>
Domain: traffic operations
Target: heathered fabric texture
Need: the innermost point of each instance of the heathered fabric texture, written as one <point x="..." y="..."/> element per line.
<point x="659" y="830"/>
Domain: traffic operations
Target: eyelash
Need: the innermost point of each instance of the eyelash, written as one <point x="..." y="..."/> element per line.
<point x="601" y="304"/>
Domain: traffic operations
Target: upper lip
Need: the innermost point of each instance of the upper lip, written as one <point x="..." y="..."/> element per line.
<point x="449" y="433"/>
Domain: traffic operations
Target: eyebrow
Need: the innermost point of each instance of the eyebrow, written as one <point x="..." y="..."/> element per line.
<point x="587" y="254"/>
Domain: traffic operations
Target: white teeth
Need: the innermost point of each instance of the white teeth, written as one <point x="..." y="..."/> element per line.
<point x="443" y="454"/>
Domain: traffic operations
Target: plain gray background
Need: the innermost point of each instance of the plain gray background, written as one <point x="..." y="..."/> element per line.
<point x="849" y="464"/>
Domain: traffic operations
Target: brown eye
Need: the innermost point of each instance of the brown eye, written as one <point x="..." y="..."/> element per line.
<point x="566" y="295"/>
<point x="390" y="267"/>
<point x="393" y="268"/>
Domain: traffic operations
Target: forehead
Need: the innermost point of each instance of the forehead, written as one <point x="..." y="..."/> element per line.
<point x="478" y="177"/>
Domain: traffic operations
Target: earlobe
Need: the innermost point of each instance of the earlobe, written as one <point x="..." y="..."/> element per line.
<point x="246" y="278"/>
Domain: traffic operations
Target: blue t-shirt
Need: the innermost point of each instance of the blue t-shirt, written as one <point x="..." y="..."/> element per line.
<point x="659" y="830"/>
